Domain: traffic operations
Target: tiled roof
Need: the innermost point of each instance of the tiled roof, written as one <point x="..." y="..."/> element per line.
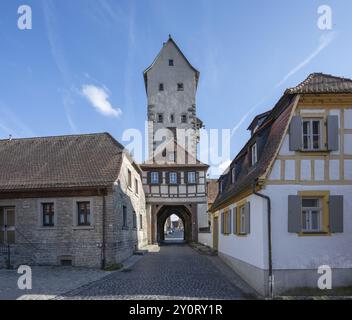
<point x="322" y="83"/>
<point x="59" y="162"/>
<point x="248" y="176"/>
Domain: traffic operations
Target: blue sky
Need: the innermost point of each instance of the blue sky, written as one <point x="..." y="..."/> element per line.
<point x="248" y="52"/>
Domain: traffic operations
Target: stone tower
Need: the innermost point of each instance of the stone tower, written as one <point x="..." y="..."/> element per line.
<point x="171" y="85"/>
<point x="174" y="180"/>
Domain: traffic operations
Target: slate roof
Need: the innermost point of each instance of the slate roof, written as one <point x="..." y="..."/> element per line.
<point x="322" y="83"/>
<point x="275" y="123"/>
<point x="75" y="161"/>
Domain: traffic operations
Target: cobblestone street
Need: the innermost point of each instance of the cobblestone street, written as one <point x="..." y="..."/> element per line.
<point x="174" y="272"/>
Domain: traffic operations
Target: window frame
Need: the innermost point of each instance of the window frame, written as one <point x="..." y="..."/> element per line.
<point x="50" y="214"/>
<point x="87" y="221"/>
<point x="310" y="135"/>
<point x="324" y="196"/>
<point x="184" y="118"/>
<point x="195" y="177"/>
<point x="156" y="182"/>
<point x="124" y="217"/>
<point x="254" y="154"/>
<point x="129" y="178"/>
<point x="161" y="87"/>
<point x="176" y="178"/>
<point x="171" y="63"/>
<point x="136" y="186"/>
<point x="160" y="118"/>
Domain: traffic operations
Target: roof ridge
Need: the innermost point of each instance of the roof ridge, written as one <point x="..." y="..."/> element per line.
<point x="58" y="136"/>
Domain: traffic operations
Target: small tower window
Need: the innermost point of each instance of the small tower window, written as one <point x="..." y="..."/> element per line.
<point x="184" y="118"/>
<point x="172" y="118"/>
<point x="171" y="62"/>
<point x="160" y="118"/>
<point x="161" y="87"/>
<point x="180" y="87"/>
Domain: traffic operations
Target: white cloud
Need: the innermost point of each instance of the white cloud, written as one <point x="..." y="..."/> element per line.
<point x="99" y="98"/>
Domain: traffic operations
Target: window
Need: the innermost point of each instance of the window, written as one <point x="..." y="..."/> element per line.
<point x="134" y="220"/>
<point x="171" y="62"/>
<point x="161" y="87"/>
<point x="172" y="118"/>
<point x="124" y="217"/>
<point x="312" y="214"/>
<point x="226" y="222"/>
<point x="173" y="177"/>
<point x="83" y="213"/>
<point x="136" y="186"/>
<point x="154" y="177"/>
<point x="129" y="178"/>
<point x="160" y="118"/>
<point x="184" y="118"/>
<point x="48" y="214"/>
<point x="140" y="222"/>
<point x="312" y="137"/>
<point x="191" y="177"/>
<point x="254" y="154"/>
<point x="242" y="219"/>
<point x="180" y="87"/>
<point x="233" y="175"/>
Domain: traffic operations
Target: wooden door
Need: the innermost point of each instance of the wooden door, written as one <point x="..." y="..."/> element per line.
<point x="7" y="225"/>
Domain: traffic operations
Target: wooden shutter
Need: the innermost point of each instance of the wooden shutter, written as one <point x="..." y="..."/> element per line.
<point x="222" y="222"/>
<point x="148" y="177"/>
<point x="185" y="177"/>
<point x="247" y="215"/>
<point x="178" y="177"/>
<point x="160" y="177"/>
<point x="333" y="133"/>
<point x="336" y="213"/>
<point x="234" y="210"/>
<point x="167" y="177"/>
<point x="294" y="214"/>
<point x="295" y="138"/>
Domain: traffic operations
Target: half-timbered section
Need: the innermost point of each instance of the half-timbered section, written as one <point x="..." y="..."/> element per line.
<point x="284" y="204"/>
<point x="69" y="200"/>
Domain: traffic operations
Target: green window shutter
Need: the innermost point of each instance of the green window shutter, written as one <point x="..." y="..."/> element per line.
<point x="294" y="214"/>
<point x="295" y="138"/>
<point x="247" y="213"/>
<point x="333" y="133"/>
<point x="336" y="214"/>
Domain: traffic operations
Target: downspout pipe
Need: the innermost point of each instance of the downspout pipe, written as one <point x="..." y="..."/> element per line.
<point x="270" y="260"/>
<point x="103" y="244"/>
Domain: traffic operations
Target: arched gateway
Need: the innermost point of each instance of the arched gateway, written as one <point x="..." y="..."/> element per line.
<point x="183" y="213"/>
<point x="174" y="180"/>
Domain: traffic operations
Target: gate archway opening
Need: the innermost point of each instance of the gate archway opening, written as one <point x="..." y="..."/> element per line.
<point x="184" y="215"/>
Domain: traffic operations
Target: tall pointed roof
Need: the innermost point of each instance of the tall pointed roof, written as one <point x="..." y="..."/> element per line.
<point x="170" y="40"/>
<point x="322" y="83"/>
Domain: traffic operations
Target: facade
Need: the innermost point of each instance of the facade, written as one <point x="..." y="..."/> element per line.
<point x="174" y="180"/>
<point x="69" y="200"/>
<point x="284" y="205"/>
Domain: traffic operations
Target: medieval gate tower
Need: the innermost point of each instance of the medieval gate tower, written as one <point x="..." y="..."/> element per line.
<point x="174" y="180"/>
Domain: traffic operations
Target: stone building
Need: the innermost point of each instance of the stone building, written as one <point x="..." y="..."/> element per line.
<point x="174" y="180"/>
<point x="70" y="200"/>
